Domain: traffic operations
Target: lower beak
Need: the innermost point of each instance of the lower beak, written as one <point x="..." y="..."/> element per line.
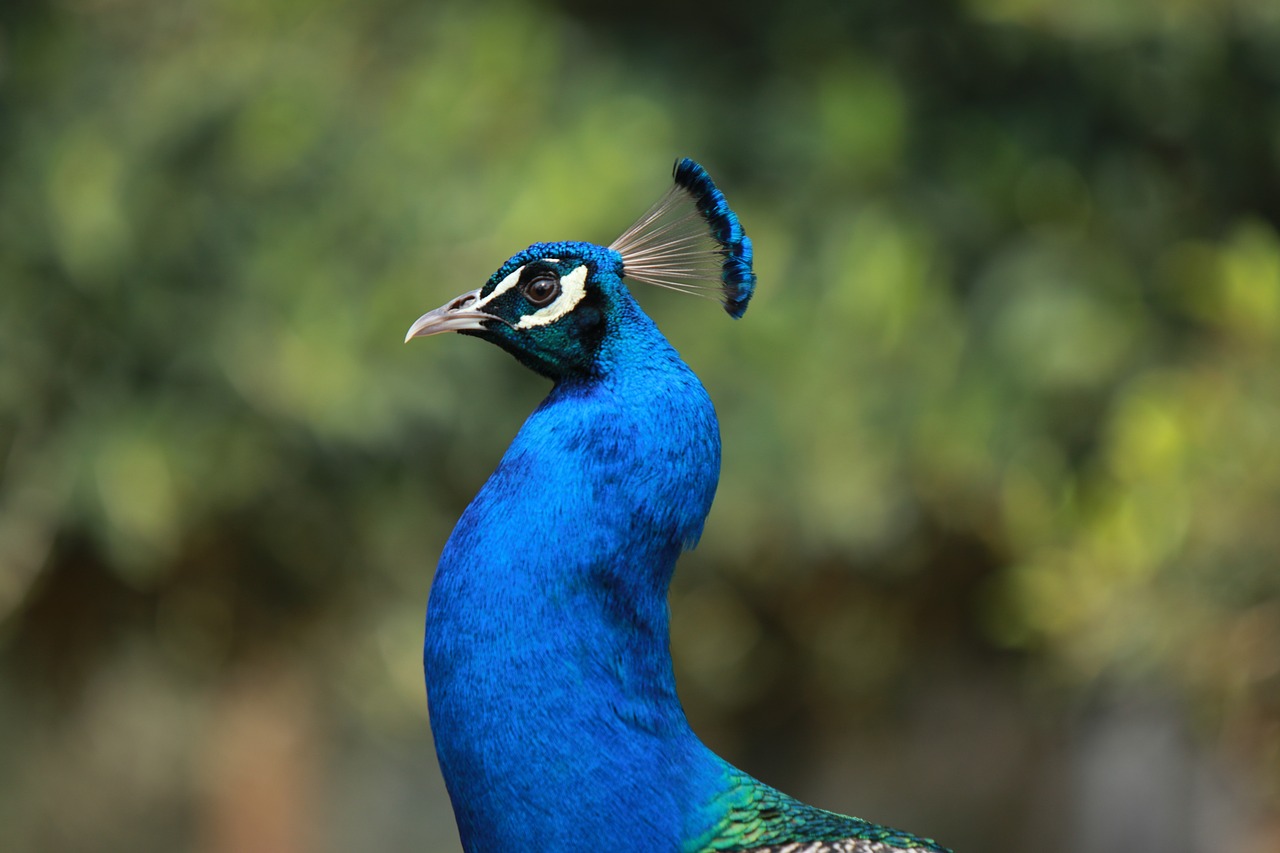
<point x="453" y="317"/>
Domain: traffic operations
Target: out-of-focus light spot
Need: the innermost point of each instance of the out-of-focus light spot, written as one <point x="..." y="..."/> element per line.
<point x="1063" y="336"/>
<point x="861" y="119"/>
<point x="90" y="225"/>
<point x="1250" y="285"/>
<point x="136" y="490"/>
<point x="1147" y="438"/>
<point x="275" y="132"/>
<point x="1234" y="286"/>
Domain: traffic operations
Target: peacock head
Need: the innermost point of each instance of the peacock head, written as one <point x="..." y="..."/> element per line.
<point x="550" y="305"/>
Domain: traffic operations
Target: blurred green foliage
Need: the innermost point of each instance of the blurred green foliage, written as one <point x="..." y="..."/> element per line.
<point x="1000" y="426"/>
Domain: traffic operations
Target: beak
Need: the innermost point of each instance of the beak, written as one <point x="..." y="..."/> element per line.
<point x="452" y="317"/>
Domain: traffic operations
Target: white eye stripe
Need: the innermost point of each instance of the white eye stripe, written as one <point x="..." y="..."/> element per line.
<point x="503" y="286"/>
<point x="572" y="288"/>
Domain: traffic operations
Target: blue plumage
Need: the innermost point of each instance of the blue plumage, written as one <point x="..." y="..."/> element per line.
<point x="738" y="276"/>
<point x="549" y="681"/>
<point x="700" y="250"/>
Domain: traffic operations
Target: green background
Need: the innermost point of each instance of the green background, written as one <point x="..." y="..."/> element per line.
<point x="994" y="555"/>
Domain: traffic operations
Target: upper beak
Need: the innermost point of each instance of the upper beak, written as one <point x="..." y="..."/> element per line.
<point x="451" y="317"/>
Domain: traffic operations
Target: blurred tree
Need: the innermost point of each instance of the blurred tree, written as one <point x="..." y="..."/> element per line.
<point x="998" y="431"/>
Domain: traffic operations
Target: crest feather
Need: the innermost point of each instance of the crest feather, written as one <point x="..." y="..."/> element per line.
<point x="692" y="242"/>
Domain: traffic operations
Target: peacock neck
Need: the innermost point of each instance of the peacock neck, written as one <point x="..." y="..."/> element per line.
<point x="549" y="678"/>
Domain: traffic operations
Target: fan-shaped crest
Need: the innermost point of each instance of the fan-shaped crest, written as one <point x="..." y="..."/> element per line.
<point x="692" y="242"/>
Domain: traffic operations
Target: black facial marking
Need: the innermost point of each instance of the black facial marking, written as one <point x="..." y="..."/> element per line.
<point x="561" y="349"/>
<point x="590" y="324"/>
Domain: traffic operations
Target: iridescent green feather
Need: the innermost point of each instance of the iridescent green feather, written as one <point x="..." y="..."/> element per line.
<point x="757" y="818"/>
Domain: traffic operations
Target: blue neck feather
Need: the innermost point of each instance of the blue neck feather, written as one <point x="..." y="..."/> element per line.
<point x="549" y="680"/>
<point x="549" y="677"/>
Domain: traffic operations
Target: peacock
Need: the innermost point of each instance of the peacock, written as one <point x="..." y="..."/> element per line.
<point x="550" y="687"/>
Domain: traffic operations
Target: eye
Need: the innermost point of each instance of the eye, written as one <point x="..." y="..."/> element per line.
<point x="542" y="289"/>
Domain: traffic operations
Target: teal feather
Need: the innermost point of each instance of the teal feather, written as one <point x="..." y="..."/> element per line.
<point x="754" y="816"/>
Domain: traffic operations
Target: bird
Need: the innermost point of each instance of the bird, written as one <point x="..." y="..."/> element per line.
<point x="550" y="688"/>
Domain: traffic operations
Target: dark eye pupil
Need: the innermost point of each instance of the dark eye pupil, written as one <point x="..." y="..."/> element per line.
<point x="541" y="290"/>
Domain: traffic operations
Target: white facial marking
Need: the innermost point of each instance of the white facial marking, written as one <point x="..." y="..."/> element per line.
<point x="503" y="286"/>
<point x="572" y="288"/>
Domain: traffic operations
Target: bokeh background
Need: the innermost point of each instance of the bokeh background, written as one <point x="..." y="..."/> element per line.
<point x="994" y="555"/>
